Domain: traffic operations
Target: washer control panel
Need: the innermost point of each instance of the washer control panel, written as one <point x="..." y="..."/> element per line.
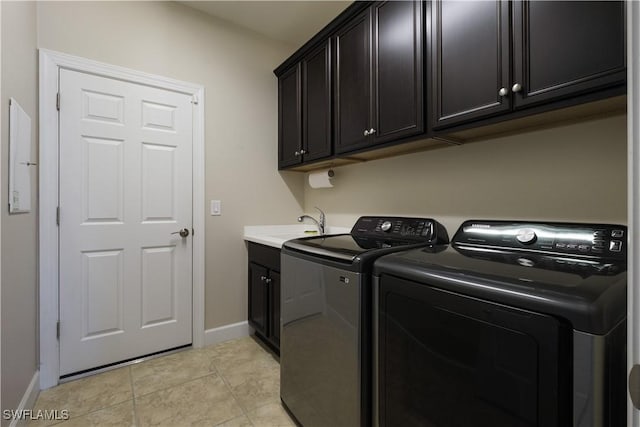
<point x="422" y="229"/>
<point x="597" y="240"/>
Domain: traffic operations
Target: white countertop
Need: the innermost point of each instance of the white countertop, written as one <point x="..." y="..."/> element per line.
<point x="276" y="235"/>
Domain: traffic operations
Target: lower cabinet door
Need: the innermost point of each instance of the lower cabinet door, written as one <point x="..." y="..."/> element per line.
<point x="258" y="298"/>
<point x="274" y="296"/>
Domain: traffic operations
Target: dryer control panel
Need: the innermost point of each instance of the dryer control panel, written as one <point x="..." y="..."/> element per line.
<point x="594" y="240"/>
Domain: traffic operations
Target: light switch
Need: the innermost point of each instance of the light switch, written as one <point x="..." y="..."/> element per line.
<point x="215" y="208"/>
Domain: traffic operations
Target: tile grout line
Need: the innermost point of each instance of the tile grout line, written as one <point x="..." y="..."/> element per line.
<point x="226" y="383"/>
<point x="136" y="418"/>
<point x="256" y="408"/>
<point x="169" y="386"/>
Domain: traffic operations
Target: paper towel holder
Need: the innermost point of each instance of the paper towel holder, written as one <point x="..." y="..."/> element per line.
<point x="321" y="178"/>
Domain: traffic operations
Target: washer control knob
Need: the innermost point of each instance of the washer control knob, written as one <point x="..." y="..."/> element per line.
<point x="386" y="226"/>
<point x="526" y="235"/>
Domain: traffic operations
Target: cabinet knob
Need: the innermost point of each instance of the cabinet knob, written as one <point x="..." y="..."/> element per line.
<point x="366" y="132"/>
<point x="263" y="278"/>
<point x="302" y="152"/>
<point x="267" y="281"/>
<point x="503" y="91"/>
<point x="516" y="87"/>
<point x="372" y="131"/>
<point x="297" y="154"/>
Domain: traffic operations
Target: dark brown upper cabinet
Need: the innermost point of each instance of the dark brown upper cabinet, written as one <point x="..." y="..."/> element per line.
<point x="564" y="48"/>
<point x="316" y="104"/>
<point x="378" y="90"/>
<point x="289" y="117"/>
<point x="471" y="60"/>
<point x="491" y="58"/>
<point x="304" y="104"/>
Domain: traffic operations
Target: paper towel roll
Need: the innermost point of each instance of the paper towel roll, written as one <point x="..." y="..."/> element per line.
<point x="321" y="179"/>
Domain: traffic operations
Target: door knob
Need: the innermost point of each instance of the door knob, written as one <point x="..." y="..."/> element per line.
<point x="183" y="233"/>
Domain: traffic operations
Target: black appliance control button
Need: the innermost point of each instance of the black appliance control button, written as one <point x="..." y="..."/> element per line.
<point x="615" y="245"/>
<point x="526" y="236"/>
<point x="617" y="233"/>
<point x="599" y="243"/>
<point x="597" y="249"/>
<point x="584" y="248"/>
<point x="526" y="262"/>
<point x="572" y="246"/>
<point x="561" y="245"/>
<point x="600" y="233"/>
<point x="386" y="226"/>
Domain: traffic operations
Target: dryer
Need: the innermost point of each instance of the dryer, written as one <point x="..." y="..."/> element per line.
<point x="514" y="324"/>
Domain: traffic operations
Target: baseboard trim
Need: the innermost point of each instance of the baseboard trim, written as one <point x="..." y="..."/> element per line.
<point x="28" y="400"/>
<point x="227" y="332"/>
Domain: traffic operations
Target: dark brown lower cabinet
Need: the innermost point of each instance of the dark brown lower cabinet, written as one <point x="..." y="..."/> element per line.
<point x="264" y="293"/>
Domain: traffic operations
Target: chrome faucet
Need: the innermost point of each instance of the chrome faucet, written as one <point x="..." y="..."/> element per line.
<point x="321" y="223"/>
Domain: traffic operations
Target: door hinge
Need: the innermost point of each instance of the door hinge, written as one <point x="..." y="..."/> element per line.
<point x="58" y="101"/>
<point x="58" y="329"/>
<point x="194" y="101"/>
<point x="58" y="215"/>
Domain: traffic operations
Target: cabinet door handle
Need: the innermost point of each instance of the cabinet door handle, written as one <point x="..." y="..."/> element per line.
<point x="263" y="278"/>
<point x="267" y="281"/>
<point x="503" y="91"/>
<point x="516" y="87"/>
<point x="372" y="131"/>
<point x="302" y="152"/>
<point x="297" y="154"/>
<point x="366" y="132"/>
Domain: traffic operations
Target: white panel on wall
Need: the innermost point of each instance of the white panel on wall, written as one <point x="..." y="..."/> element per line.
<point x="19" y="159"/>
<point x="158" y="182"/>
<point x="102" y="294"/>
<point x="158" y="116"/>
<point x="158" y="286"/>
<point x="102" y="180"/>
<point x="102" y="107"/>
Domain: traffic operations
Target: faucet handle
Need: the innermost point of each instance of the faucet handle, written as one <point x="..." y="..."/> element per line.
<point x="321" y="213"/>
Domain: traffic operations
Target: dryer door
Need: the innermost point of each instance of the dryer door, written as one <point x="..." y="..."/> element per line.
<point x="449" y="359"/>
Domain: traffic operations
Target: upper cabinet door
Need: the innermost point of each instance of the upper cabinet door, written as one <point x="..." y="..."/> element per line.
<point x="398" y="73"/>
<point x="470" y="60"/>
<point x="316" y="101"/>
<point x="564" y="48"/>
<point x="289" y="118"/>
<point x="353" y="84"/>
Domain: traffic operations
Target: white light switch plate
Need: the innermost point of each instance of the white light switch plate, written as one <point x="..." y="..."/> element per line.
<point x="215" y="208"/>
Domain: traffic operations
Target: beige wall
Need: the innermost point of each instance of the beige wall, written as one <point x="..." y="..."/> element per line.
<point x="19" y="246"/>
<point x="575" y="172"/>
<point x="235" y="66"/>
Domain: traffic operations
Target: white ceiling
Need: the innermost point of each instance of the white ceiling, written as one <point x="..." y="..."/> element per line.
<point x="292" y="22"/>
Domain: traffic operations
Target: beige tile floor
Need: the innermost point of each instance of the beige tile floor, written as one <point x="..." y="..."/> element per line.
<point x="232" y="384"/>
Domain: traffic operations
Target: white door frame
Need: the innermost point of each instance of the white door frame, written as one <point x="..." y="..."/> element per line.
<point x="50" y="63"/>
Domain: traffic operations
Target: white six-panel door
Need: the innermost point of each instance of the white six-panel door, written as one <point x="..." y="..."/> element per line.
<point x="125" y="187"/>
